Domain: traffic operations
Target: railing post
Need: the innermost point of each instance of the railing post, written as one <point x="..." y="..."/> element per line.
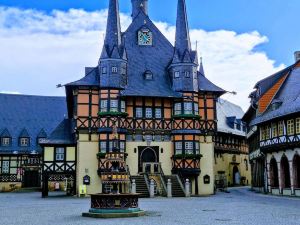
<point x="151" y="189"/>
<point x="133" y="187"/>
<point x="187" y="188"/>
<point x="169" y="187"/>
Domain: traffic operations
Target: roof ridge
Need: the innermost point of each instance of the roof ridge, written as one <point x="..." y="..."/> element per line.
<point x="29" y="95"/>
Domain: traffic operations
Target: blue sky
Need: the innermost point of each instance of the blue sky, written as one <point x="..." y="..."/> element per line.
<point x="47" y="42"/>
<point x="276" y="19"/>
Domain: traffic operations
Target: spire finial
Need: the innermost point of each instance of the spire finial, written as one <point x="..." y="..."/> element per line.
<point x="113" y="27"/>
<point x="182" y="40"/>
<point x="139" y="5"/>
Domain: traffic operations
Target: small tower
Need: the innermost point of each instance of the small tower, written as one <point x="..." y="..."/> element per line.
<point x="113" y="59"/>
<point x="137" y="6"/>
<point x="183" y="69"/>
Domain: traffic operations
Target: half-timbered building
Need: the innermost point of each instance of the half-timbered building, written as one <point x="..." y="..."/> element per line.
<point x="157" y="99"/>
<point x="274" y="122"/>
<point x="232" y="165"/>
<point x="25" y="121"/>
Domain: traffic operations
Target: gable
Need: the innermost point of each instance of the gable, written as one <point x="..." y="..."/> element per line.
<point x="267" y="97"/>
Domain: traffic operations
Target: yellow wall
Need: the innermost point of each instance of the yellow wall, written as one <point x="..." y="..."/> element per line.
<point x="5" y="187"/>
<point x="87" y="163"/>
<point x="48" y="153"/>
<point x="224" y="163"/>
<point x="71" y="154"/>
<point x="164" y="158"/>
<point x="206" y="166"/>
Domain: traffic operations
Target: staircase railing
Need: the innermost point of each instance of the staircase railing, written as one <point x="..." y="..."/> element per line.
<point x="146" y="177"/>
<point x="162" y="179"/>
<point x="179" y="179"/>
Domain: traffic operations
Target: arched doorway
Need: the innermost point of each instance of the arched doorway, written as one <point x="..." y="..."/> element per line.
<point x="236" y="176"/>
<point x="274" y="181"/>
<point x="285" y="172"/>
<point x="148" y="155"/>
<point x="296" y="169"/>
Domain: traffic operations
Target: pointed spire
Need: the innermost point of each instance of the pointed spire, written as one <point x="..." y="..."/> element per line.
<point x="182" y="40"/>
<point x="201" y="69"/>
<point x="139" y="5"/>
<point x="113" y="28"/>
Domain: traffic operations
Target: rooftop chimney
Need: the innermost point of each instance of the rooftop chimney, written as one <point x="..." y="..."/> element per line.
<point x="297" y="56"/>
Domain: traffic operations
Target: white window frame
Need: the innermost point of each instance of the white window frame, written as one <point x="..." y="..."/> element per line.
<point x="60" y="154"/>
<point x="114" y="105"/>
<point x="187" y="74"/>
<point x="158" y="113"/>
<point x="149" y="113"/>
<point x="114" y="69"/>
<point x="123" y="106"/>
<point x="139" y="112"/>
<point x="104" y="70"/>
<point x="290" y="127"/>
<point x="177" y="109"/>
<point x="297" y="125"/>
<point x="5" y="167"/>
<point x="5" y="141"/>
<point x="280" y="128"/>
<point x="178" y="148"/>
<point x="188" y="108"/>
<point x="176" y="74"/>
<point x="196" y="108"/>
<point x="103" y="146"/>
<point x="103" y="105"/>
<point x="197" y="147"/>
<point x="24" y="142"/>
<point x="189" y="147"/>
<point x="122" y="146"/>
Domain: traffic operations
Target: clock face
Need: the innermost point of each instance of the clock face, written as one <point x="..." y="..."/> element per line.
<point x="145" y="37"/>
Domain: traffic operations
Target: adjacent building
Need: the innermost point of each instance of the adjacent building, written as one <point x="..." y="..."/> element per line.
<point x="25" y="121"/>
<point x="274" y="132"/>
<point x="232" y="165"/>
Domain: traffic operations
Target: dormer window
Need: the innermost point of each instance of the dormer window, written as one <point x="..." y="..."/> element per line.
<point x="148" y="75"/>
<point x="24" y="142"/>
<point x="114" y="69"/>
<point x="176" y="74"/>
<point x="187" y="74"/>
<point x="104" y="70"/>
<point x="5" y="141"/>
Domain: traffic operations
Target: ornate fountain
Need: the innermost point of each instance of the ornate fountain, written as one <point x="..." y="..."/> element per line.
<point x="114" y="202"/>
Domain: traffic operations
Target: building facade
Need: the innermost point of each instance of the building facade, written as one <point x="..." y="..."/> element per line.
<point x="274" y="131"/>
<point x="25" y="121"/>
<point x="155" y="96"/>
<point x="232" y="166"/>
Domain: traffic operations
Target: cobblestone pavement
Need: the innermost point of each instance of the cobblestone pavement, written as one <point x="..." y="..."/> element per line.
<point x="240" y="207"/>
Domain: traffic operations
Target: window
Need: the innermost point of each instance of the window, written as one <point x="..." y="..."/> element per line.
<point x="5" y="167"/>
<point x="177" y="109"/>
<point x="114" y="105"/>
<point x="148" y="75"/>
<point x="103" y="105"/>
<point x="280" y="128"/>
<point x="196" y="108"/>
<point x="148" y="113"/>
<point x="123" y="70"/>
<point x="189" y="147"/>
<point x="290" y="127"/>
<point x="197" y="148"/>
<point x="188" y="108"/>
<point x="122" y="146"/>
<point x="114" y="69"/>
<point x="104" y="70"/>
<point x="187" y="74"/>
<point x="267" y="132"/>
<point x="139" y="112"/>
<point x="298" y="126"/>
<point x="24" y="142"/>
<point x="110" y="146"/>
<point x="123" y="106"/>
<point x="176" y="74"/>
<point x="5" y="141"/>
<point x="274" y="130"/>
<point x="178" y="148"/>
<point x="158" y="113"/>
<point x="60" y="154"/>
<point x="103" y="146"/>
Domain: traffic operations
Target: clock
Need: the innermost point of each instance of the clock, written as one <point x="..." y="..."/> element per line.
<point x="145" y="37"/>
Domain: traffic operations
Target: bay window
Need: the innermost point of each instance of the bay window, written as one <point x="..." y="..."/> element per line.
<point x="178" y="148"/>
<point x="189" y="147"/>
<point x="188" y="108"/>
<point x="177" y="109"/>
<point x="103" y="105"/>
<point x="114" y="105"/>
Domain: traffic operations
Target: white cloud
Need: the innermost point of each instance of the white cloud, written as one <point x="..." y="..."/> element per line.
<point x="40" y="50"/>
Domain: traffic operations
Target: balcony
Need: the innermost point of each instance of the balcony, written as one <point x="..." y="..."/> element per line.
<point x="186" y="164"/>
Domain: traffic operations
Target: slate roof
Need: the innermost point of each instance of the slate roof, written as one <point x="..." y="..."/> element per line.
<point x="91" y="79"/>
<point x="288" y="96"/>
<point x="228" y="114"/>
<point x="25" y="115"/>
<point x="207" y="86"/>
<point x="62" y="135"/>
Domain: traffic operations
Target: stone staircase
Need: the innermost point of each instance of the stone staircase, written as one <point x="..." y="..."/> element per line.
<point x="177" y="190"/>
<point x="141" y="186"/>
